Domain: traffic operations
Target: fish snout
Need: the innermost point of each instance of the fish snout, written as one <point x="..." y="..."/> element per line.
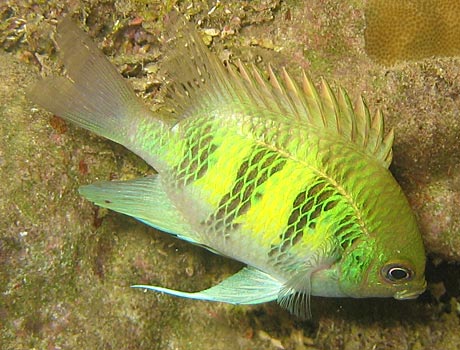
<point x="410" y="293"/>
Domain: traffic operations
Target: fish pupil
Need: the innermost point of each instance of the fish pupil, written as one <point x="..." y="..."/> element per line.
<point x="398" y="273"/>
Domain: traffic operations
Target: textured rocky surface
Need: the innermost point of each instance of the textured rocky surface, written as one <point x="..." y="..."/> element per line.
<point x="66" y="267"/>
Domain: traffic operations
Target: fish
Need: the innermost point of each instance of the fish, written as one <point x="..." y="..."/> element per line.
<point x="286" y="177"/>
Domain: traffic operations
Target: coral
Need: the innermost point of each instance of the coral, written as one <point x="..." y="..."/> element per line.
<point x="412" y="29"/>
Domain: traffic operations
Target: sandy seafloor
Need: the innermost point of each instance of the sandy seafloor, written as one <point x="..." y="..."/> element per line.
<point x="66" y="267"/>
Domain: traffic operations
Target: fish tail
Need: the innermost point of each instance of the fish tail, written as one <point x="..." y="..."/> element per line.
<point x="93" y="95"/>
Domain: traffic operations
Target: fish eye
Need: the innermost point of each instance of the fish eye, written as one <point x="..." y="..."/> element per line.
<point x="397" y="273"/>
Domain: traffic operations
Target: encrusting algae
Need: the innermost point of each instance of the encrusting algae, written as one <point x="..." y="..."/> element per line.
<point x="290" y="180"/>
<point x="400" y="30"/>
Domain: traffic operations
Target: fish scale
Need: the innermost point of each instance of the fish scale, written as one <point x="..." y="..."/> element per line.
<point x="198" y="148"/>
<point x="288" y="178"/>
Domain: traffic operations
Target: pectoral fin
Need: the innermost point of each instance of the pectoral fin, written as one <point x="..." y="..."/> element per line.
<point x="248" y="286"/>
<point x="144" y="199"/>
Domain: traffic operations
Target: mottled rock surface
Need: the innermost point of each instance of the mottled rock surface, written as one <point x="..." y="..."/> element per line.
<point x="66" y="267"/>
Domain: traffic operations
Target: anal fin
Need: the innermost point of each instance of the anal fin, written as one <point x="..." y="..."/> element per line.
<point x="248" y="286"/>
<point x="144" y="199"/>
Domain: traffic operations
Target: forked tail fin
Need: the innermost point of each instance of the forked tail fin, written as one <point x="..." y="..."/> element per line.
<point x="94" y="96"/>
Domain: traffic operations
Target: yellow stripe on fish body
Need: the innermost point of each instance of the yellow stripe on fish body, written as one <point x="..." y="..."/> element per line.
<point x="222" y="169"/>
<point x="268" y="218"/>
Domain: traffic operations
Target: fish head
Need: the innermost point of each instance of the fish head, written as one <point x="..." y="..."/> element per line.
<point x="385" y="264"/>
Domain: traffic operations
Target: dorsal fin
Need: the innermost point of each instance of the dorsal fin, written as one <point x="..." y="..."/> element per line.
<point x="195" y="75"/>
<point x="200" y="80"/>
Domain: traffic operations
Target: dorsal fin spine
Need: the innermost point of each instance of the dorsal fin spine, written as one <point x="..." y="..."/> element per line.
<point x="312" y="99"/>
<point x="346" y="107"/>
<point x="387" y="151"/>
<point x="333" y="109"/>
<point x="377" y="129"/>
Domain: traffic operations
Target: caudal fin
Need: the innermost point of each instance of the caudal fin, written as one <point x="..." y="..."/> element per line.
<point x="94" y="96"/>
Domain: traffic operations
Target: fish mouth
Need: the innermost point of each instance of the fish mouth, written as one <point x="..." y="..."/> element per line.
<point x="407" y="294"/>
